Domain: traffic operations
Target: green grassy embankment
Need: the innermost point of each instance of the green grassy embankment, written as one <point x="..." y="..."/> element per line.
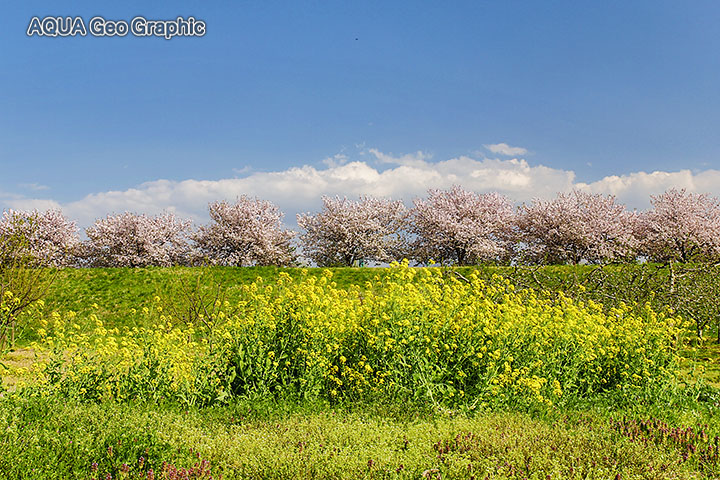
<point x="53" y="438"/>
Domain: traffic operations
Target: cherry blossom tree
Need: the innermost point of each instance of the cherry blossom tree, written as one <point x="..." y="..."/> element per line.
<point x="345" y="231"/>
<point x="573" y="227"/>
<point x="48" y="236"/>
<point x="681" y="226"/>
<point x="247" y="232"/>
<point x="460" y="227"/>
<point x="132" y="240"/>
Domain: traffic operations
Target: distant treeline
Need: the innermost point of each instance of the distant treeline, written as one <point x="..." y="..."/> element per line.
<point x="451" y="227"/>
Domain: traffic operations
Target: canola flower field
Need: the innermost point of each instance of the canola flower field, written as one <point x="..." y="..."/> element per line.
<point x="412" y="374"/>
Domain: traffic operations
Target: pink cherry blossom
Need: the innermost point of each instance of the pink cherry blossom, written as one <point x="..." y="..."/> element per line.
<point x="681" y="226"/>
<point x="573" y="227"/>
<point x="460" y="227"/>
<point x="346" y="231"/>
<point x="51" y="238"/>
<point x="132" y="240"/>
<point x="247" y="232"/>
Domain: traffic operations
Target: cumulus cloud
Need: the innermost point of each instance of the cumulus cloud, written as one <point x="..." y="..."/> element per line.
<point x="299" y="189"/>
<point x="15" y="201"/>
<point x="335" y="160"/>
<point x="636" y="188"/>
<point x="411" y="159"/>
<point x="33" y="186"/>
<point x="41" y="204"/>
<point x="505" y="149"/>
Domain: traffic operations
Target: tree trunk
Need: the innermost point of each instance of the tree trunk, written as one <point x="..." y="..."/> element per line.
<point x="672" y="278"/>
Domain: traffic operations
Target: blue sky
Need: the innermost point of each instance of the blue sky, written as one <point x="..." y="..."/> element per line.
<point x="291" y="100"/>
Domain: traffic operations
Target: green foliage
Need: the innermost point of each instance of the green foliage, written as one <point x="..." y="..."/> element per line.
<point x="113" y="293"/>
<point x="55" y="439"/>
<point x="23" y="280"/>
<point x="166" y="341"/>
<point x="414" y="335"/>
<point x="689" y="290"/>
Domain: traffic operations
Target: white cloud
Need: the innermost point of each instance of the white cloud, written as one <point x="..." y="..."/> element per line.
<point x="335" y="160"/>
<point x="411" y="159"/>
<point x="299" y="189"/>
<point x="242" y="171"/>
<point x="636" y="188"/>
<point x="505" y="149"/>
<point x="33" y="186"/>
<point x="41" y="204"/>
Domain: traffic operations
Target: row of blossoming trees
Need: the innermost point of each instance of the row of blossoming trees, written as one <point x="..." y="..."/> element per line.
<point x="453" y="227"/>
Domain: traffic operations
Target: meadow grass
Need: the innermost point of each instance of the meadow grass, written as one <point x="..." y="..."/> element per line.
<point x="116" y="291"/>
<point x="672" y="434"/>
<point x="54" y="439"/>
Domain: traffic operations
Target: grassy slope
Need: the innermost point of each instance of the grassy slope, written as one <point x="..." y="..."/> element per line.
<point x="116" y="291"/>
<point x="53" y="439"/>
